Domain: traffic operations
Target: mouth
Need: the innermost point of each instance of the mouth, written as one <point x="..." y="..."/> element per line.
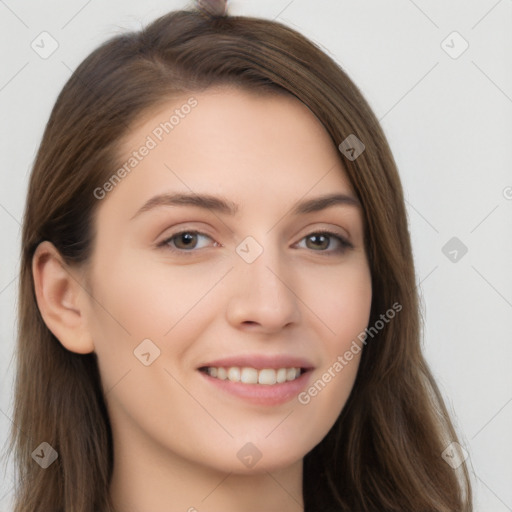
<point x="250" y="375"/>
<point x="260" y="380"/>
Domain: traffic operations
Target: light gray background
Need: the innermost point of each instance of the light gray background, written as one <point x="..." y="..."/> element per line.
<point x="449" y="124"/>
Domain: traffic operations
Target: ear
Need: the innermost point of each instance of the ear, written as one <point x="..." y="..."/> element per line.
<point x="61" y="299"/>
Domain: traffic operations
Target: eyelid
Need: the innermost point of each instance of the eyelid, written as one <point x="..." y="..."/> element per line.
<point x="166" y="241"/>
<point x="344" y="242"/>
<point x="330" y="229"/>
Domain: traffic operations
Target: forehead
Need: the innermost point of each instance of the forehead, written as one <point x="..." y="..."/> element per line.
<point x="226" y="114"/>
<point x="237" y="142"/>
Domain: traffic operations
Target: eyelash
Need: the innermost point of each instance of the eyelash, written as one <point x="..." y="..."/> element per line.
<point x="344" y="244"/>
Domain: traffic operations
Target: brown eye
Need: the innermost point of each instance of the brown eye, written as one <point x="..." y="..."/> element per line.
<point x="185" y="241"/>
<point x="326" y="242"/>
<point x="318" y="241"/>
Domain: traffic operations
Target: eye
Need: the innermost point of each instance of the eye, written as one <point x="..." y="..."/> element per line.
<point x="318" y="241"/>
<point x="185" y="241"/>
<point x="322" y="241"/>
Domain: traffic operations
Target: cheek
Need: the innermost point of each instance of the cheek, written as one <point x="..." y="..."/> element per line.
<point x="344" y="310"/>
<point x="149" y="297"/>
<point x="137" y="300"/>
<point x="342" y="301"/>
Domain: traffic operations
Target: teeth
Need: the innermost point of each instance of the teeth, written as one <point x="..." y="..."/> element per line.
<point x="267" y="377"/>
<point x="281" y="375"/>
<point x="291" y="373"/>
<point x="247" y="375"/>
<point x="234" y="374"/>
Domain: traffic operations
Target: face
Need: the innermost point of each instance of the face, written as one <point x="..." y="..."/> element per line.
<point x="216" y="259"/>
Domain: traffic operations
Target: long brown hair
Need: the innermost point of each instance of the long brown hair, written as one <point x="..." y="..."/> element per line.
<point x="384" y="451"/>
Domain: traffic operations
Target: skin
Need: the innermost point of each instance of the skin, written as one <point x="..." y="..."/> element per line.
<point x="176" y="437"/>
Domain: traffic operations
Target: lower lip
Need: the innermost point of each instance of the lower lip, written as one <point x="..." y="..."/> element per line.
<point x="260" y="394"/>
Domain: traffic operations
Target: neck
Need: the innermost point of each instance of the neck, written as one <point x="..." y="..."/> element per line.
<point x="150" y="479"/>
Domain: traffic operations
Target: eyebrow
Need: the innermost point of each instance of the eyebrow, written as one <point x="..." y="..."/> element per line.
<point x="220" y="205"/>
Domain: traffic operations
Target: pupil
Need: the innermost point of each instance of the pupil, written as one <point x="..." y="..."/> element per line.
<point x="187" y="239"/>
<point x="317" y="239"/>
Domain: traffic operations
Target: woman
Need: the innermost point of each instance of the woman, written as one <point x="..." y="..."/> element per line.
<point x="217" y="305"/>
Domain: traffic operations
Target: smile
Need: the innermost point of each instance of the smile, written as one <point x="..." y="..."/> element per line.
<point x="248" y="375"/>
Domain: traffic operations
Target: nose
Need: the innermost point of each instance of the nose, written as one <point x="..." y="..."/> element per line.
<point x="263" y="297"/>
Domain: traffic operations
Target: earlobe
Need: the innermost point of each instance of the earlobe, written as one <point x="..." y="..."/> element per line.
<point x="60" y="298"/>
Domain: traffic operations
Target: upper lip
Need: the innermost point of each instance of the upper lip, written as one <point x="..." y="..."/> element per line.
<point x="260" y="361"/>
